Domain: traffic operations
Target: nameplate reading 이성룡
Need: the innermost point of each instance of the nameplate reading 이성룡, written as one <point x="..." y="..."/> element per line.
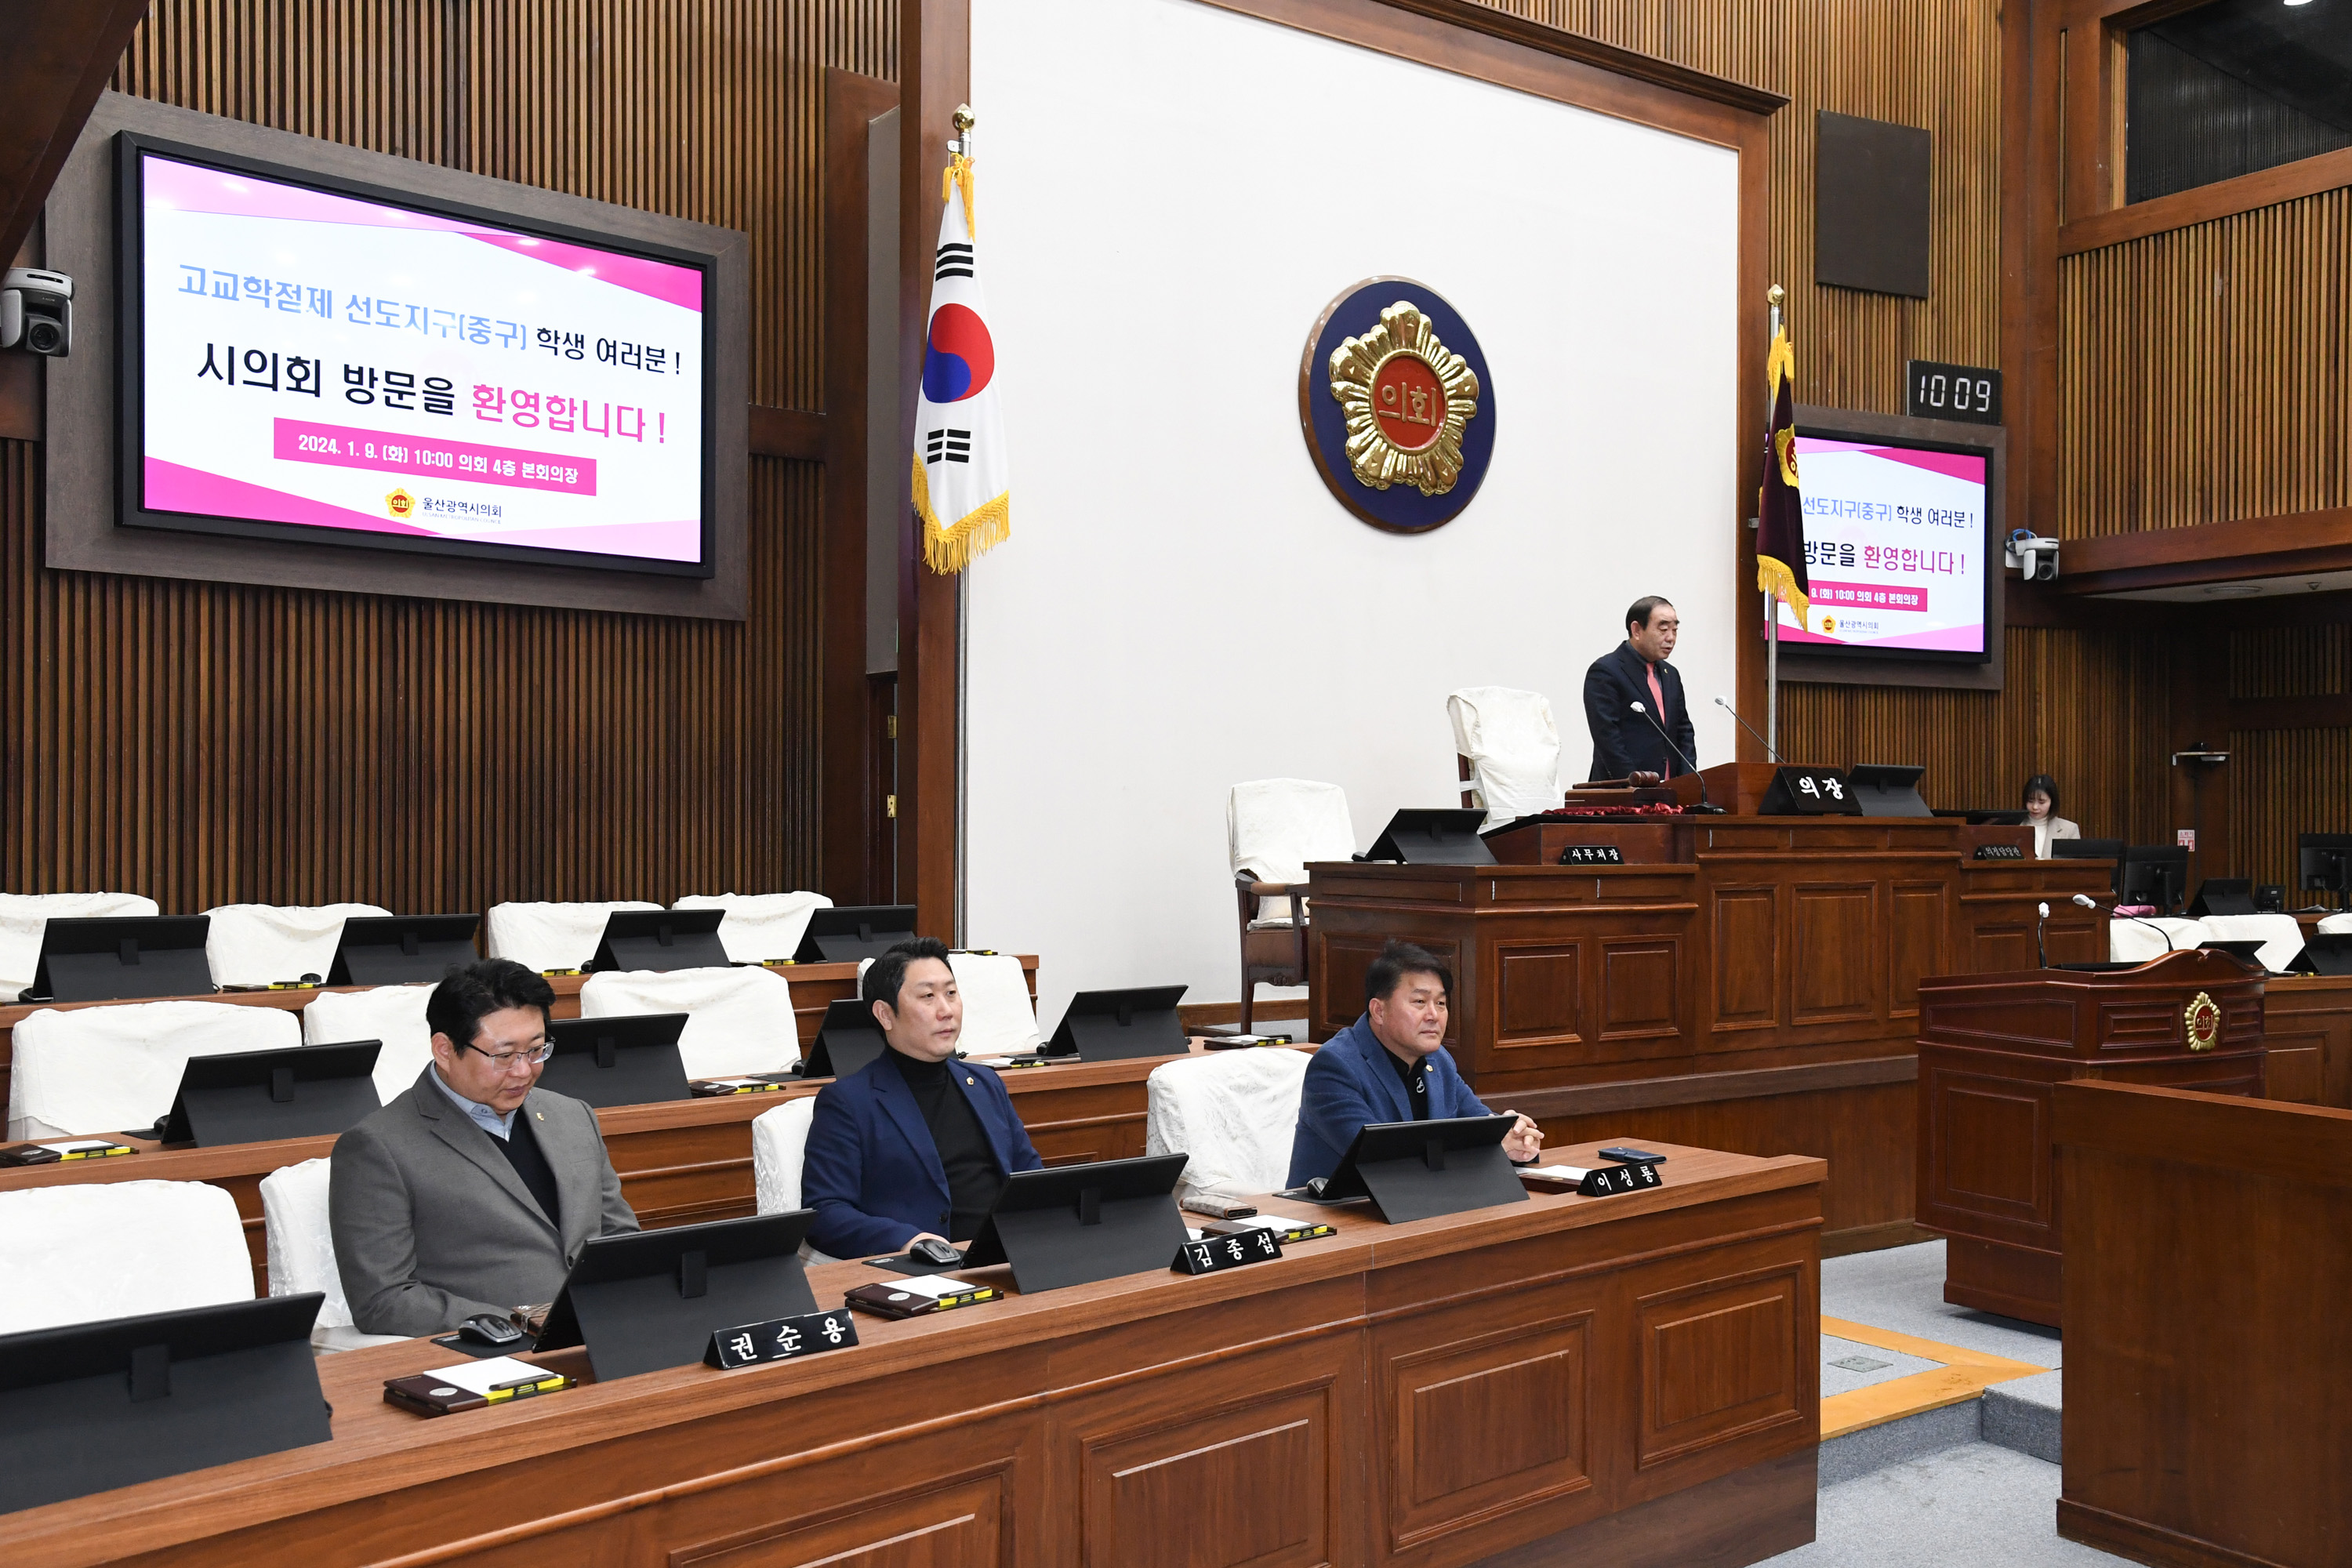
<point x="781" y="1339"/>
<point x="1213" y="1253"/>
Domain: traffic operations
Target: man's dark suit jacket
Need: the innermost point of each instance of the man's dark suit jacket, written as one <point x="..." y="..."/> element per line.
<point x="873" y="1174"/>
<point x="1622" y="740"/>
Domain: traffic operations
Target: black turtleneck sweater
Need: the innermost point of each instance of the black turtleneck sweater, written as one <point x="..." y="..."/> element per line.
<point x="973" y="1177"/>
<point x="1414" y="1076"/>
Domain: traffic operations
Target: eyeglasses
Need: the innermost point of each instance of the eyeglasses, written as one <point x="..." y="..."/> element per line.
<point x="506" y="1061"/>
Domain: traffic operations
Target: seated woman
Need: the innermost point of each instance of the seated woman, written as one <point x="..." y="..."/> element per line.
<point x="2041" y="800"/>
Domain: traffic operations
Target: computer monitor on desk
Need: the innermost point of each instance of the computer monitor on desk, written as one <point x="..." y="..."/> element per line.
<point x="852" y="931"/>
<point x="2154" y="874"/>
<point x="2091" y="849"/>
<point x="2322" y="864"/>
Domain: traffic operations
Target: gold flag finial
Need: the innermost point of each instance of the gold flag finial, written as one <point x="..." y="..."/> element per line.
<point x="963" y="118"/>
<point x="1775" y="295"/>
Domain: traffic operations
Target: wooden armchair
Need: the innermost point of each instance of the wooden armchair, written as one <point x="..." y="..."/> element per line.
<point x="1274" y="952"/>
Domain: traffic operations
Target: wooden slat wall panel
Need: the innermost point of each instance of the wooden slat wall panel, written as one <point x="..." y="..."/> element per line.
<point x="2283" y="783"/>
<point x="2089" y="708"/>
<point x="207" y="744"/>
<point x="2201" y="372"/>
<point x="2290" y="661"/>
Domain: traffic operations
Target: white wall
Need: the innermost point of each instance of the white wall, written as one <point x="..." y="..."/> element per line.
<point x="1169" y="196"/>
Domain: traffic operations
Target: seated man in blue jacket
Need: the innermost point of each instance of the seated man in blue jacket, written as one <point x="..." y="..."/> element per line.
<point x="1390" y="1065"/>
<point x="919" y="1144"/>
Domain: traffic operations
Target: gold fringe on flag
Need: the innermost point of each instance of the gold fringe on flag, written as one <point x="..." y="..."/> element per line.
<point x="1773" y="576"/>
<point x="958" y="175"/>
<point x="952" y="547"/>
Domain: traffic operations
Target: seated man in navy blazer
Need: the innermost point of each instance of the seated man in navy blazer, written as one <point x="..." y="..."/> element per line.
<point x="917" y="1144"/>
<point x="1390" y="1065"/>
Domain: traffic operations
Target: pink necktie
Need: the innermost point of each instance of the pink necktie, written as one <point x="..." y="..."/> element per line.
<point x="1656" y="695"/>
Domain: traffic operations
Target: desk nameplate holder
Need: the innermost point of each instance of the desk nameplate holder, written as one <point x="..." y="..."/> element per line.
<point x="781" y="1339"/>
<point x="1809" y="792"/>
<point x="2001" y="852"/>
<point x="1592" y="855"/>
<point x="1214" y="1254"/>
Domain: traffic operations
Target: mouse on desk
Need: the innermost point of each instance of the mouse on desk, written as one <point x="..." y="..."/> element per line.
<point x="488" y="1331"/>
<point x="932" y="1251"/>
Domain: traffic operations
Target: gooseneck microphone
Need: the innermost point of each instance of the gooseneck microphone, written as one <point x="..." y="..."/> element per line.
<point x="2040" y="948"/>
<point x="1743" y="724"/>
<point x="2090" y="903"/>
<point x="1704" y="804"/>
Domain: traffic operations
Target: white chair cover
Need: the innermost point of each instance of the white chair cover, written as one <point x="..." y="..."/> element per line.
<point x="2335" y="924"/>
<point x="95" y="1070"/>
<point x="1234" y="1112"/>
<point x="2281" y="935"/>
<point x="117" y="1250"/>
<point x="260" y="945"/>
<point x="999" y="1018"/>
<point x="2138" y="941"/>
<point x="779" y="1147"/>
<point x="779" y="1142"/>
<point x="1514" y="750"/>
<point x="551" y="936"/>
<point x="393" y="1014"/>
<point x="302" y="1252"/>
<point x="741" y="1018"/>
<point x="1275" y="827"/>
<point x="22" y="915"/>
<point x="759" y="927"/>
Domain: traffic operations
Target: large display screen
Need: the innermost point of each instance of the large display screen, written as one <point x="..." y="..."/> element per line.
<point x="307" y="360"/>
<point x="1898" y="548"/>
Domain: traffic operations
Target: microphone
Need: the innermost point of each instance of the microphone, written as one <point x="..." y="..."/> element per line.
<point x="2169" y="946"/>
<point x="1703" y="802"/>
<point x="2038" y="946"/>
<point x="1743" y="724"/>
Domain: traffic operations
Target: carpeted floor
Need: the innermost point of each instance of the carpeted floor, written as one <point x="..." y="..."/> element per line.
<point x="1902" y="1287"/>
<point x="1977" y="1506"/>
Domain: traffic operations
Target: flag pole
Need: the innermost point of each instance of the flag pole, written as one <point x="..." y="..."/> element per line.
<point x="1771" y="601"/>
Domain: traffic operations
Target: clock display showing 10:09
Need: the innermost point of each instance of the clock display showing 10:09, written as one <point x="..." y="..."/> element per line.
<point x="1964" y="392"/>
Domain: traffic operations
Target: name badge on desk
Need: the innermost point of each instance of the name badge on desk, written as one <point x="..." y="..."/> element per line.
<point x="781" y="1339"/>
<point x="1606" y="1180"/>
<point x="2001" y="852"/>
<point x="1212" y="1254"/>
<point x="1592" y="855"/>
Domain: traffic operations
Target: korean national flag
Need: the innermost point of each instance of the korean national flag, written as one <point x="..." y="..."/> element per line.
<point x="962" y="485"/>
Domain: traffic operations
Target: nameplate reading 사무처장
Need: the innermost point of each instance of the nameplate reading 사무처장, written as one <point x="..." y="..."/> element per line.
<point x="1592" y="855"/>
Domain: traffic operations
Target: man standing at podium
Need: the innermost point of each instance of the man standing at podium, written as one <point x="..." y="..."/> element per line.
<point x="1623" y="741"/>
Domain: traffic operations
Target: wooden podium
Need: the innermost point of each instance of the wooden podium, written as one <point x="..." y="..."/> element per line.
<point x="1992" y="1050"/>
<point x="2209" y="1384"/>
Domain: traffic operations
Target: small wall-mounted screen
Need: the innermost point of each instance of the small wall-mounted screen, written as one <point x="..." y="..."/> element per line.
<point x="304" y="360"/>
<point x="1896" y="546"/>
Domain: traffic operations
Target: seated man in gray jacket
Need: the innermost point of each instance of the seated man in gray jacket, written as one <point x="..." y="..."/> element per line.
<point x="474" y="1190"/>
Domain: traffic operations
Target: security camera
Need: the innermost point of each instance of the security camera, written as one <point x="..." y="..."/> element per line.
<point x="37" y="312"/>
<point x="2035" y="557"/>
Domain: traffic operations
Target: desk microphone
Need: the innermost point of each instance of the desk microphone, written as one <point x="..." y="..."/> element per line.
<point x="1743" y="724"/>
<point x="1677" y="751"/>
<point x="2089" y="903"/>
<point x="2039" y="947"/>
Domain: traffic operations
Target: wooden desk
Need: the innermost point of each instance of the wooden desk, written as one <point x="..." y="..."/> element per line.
<point x="814" y="987"/>
<point x="1630" y="1380"/>
<point x="1992" y="1048"/>
<point x="2307" y="1025"/>
<point x="1742" y="982"/>
<point x="681" y="1161"/>
<point x="2209" y="1381"/>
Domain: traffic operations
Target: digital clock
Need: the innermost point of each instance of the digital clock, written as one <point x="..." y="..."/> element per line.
<point x="1964" y="392"/>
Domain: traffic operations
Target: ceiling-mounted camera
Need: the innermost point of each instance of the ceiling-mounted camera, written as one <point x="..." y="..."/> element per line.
<point x="37" y="312"/>
<point x="2033" y="555"/>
